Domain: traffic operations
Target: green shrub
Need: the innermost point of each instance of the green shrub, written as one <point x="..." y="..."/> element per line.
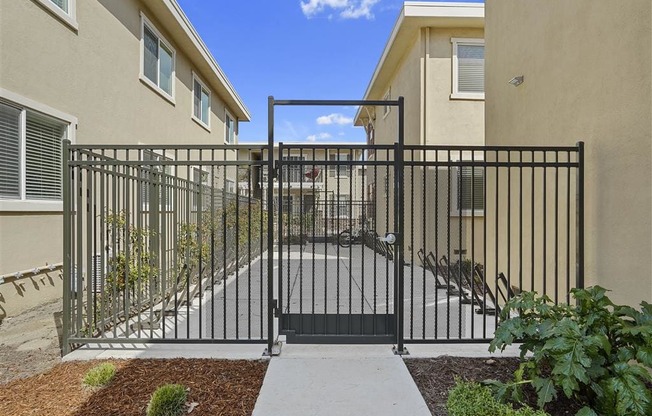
<point x="473" y="399"/>
<point x="167" y="400"/>
<point x="100" y="375"/>
<point x="594" y="352"/>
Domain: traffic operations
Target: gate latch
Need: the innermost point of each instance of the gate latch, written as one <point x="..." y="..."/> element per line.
<point x="275" y="308"/>
<point x="390" y="238"/>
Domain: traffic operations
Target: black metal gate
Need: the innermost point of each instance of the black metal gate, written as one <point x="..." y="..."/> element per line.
<point x="337" y="277"/>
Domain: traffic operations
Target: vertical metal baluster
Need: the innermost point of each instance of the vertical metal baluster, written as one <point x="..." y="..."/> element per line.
<point x="249" y="205"/>
<point x="350" y="220"/>
<point x="459" y="246"/>
<point x="448" y="247"/>
<point x="472" y="272"/>
<point x="532" y="245"/>
<point x="568" y="219"/>
<point x="363" y="233"/>
<point x="545" y="231"/>
<point x="556" y="227"/>
<point x="496" y="245"/>
<point x="484" y="247"/>
<point x="314" y="212"/>
<point x="213" y="227"/>
<point x="424" y="245"/>
<point x="437" y="242"/>
<point x="412" y="244"/>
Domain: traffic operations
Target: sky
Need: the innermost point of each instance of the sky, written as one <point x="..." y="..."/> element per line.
<point x="296" y="49"/>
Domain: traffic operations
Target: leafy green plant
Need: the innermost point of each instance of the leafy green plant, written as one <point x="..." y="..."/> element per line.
<point x="100" y="375"/>
<point x="132" y="261"/>
<point x="595" y="351"/>
<point x="167" y="400"/>
<point x="473" y="399"/>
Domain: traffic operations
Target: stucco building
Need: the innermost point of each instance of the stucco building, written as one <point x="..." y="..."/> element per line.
<point x="587" y="74"/>
<point x="434" y="58"/>
<point x="116" y="72"/>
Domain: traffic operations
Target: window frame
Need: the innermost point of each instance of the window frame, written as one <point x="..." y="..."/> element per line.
<point x="202" y="84"/>
<point x="69" y="18"/>
<point x="456" y="211"/>
<point x="169" y="206"/>
<point x="455" y="93"/>
<point x="339" y="171"/>
<point x="387" y="108"/>
<point x="23" y="204"/>
<point x="228" y="116"/>
<point x="144" y="21"/>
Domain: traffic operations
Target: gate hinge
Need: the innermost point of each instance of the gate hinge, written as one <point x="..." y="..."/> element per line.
<point x="275" y="308"/>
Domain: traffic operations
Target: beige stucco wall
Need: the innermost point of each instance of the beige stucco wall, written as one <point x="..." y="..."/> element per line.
<point x="587" y="72"/>
<point x="424" y="77"/>
<point x="93" y="75"/>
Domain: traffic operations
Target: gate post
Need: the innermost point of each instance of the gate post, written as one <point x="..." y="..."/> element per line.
<point x="399" y="201"/>
<point x="580" y="216"/>
<point x="65" y="347"/>
<point x="270" y="226"/>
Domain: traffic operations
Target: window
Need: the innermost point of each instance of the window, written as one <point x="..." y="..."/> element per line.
<point x="151" y="181"/>
<point x="342" y="206"/>
<point x="387" y="97"/>
<point x="30" y="154"/>
<point x="62" y="4"/>
<point x="343" y="169"/>
<point x="293" y="172"/>
<point x="64" y="10"/>
<point x="468" y="68"/>
<point x="469" y="195"/>
<point x="201" y="102"/>
<point x="157" y="68"/>
<point x="230" y="129"/>
<point x="230" y="186"/>
<point x="201" y="188"/>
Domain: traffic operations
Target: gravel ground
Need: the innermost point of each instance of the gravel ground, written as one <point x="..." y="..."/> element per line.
<point x="29" y="342"/>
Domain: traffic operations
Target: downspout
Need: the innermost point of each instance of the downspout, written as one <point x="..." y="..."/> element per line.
<point x="424" y="85"/>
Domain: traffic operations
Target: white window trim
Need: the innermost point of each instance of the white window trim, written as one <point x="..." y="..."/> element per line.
<point x="206" y="126"/>
<point x="169" y="206"/>
<point x="70" y="18"/>
<point x="388" y="108"/>
<point x="226" y="128"/>
<point x="169" y="97"/>
<point x="478" y="213"/>
<point x="456" y="95"/>
<point x="25" y="205"/>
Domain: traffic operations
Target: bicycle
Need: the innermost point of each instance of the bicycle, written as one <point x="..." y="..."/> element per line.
<point x="348" y="237"/>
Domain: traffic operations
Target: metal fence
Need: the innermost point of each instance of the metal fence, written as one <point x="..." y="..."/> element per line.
<point x="320" y="243"/>
<point x="153" y="239"/>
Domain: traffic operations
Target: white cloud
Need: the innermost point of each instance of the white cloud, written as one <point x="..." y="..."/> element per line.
<point x="335" y="118"/>
<point x="348" y="9"/>
<point x="320" y="136"/>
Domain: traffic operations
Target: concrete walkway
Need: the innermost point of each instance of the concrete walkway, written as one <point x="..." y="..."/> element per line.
<point x="314" y="380"/>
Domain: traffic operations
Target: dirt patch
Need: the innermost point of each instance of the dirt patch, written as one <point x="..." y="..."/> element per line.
<point x="436" y="376"/>
<point x="29" y="342"/>
<point x="220" y="387"/>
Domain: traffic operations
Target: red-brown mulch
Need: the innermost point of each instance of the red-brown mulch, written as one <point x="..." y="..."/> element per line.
<point x="220" y="387"/>
<point x="436" y="376"/>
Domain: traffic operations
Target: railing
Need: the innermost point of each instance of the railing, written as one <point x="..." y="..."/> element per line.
<point x="151" y="241"/>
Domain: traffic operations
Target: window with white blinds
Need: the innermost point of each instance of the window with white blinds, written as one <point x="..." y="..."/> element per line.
<point x="155" y="176"/>
<point x="230" y="129"/>
<point x="158" y="60"/>
<point x="470" y="189"/>
<point x="468" y="68"/>
<point x="30" y="154"/>
<point x="201" y="102"/>
<point x="10" y="151"/>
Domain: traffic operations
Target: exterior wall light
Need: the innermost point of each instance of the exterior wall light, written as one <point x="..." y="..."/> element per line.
<point x="516" y="81"/>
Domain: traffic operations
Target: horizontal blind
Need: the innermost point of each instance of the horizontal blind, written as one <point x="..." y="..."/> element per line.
<point x="9" y="152"/>
<point x="471" y="188"/>
<point x="470" y="65"/>
<point x="43" y="138"/>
